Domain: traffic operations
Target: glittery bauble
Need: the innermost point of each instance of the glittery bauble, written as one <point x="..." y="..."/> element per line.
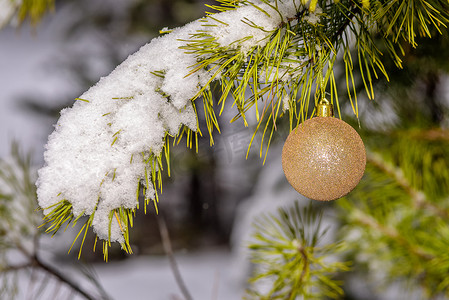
<point x="324" y="158"/>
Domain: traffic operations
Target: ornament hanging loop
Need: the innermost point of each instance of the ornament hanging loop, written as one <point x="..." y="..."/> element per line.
<point x="323" y="108"/>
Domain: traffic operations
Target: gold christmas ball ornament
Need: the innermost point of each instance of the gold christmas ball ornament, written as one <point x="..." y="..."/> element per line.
<point x="324" y="157"/>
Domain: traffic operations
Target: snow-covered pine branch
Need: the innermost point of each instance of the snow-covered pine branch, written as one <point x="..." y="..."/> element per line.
<point x="111" y="142"/>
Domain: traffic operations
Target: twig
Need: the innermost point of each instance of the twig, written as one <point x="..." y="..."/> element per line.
<point x="169" y="251"/>
<point x="36" y="262"/>
<point x="305" y="269"/>
<point x="352" y="13"/>
<point x="215" y="287"/>
<point x="74" y="286"/>
<point x="13" y="268"/>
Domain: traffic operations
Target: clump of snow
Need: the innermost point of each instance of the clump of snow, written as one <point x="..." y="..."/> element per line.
<point x="285" y="102"/>
<point x="7" y="10"/>
<point x="97" y="154"/>
<point x="239" y="23"/>
<point x="88" y="156"/>
<point x="315" y="16"/>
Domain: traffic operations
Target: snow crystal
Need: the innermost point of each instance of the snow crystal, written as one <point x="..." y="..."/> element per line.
<point x="96" y="156"/>
<point x="285" y="103"/>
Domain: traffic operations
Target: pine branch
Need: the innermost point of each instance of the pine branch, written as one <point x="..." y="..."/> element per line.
<point x="419" y="199"/>
<point x="391" y="233"/>
<point x="400" y="217"/>
<point x="288" y="254"/>
<point x="18" y="229"/>
<point x="272" y="59"/>
<point x="37" y="262"/>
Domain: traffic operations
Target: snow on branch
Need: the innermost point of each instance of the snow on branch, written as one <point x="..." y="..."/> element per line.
<point x="113" y="142"/>
<point x="110" y="144"/>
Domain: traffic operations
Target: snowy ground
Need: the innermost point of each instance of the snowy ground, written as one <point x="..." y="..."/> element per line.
<point x="207" y="275"/>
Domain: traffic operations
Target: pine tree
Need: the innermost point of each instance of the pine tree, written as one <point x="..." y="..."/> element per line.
<point x="274" y="61"/>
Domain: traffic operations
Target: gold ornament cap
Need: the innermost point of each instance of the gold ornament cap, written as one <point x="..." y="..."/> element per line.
<point x="324" y="109"/>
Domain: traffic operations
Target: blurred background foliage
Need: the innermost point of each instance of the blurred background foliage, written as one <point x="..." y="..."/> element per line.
<point x="395" y="223"/>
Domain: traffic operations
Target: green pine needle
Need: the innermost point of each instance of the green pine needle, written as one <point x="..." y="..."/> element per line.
<point x="283" y="75"/>
<point x="288" y="252"/>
